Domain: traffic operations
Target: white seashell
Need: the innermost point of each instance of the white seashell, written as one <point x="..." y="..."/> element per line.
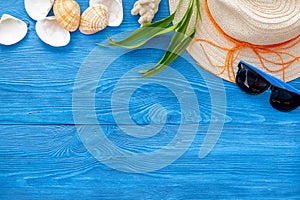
<point x="38" y="9"/>
<point x="115" y="10"/>
<point x="12" y="30"/>
<point x="94" y="19"/>
<point x="50" y="32"/>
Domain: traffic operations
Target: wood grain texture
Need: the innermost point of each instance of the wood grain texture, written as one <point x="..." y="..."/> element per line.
<point x="42" y="156"/>
<point x="244" y="165"/>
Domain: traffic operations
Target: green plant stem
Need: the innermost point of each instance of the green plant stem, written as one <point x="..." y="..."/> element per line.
<point x="179" y="42"/>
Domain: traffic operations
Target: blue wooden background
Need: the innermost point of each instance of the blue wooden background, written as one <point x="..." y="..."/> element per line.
<point x="43" y="157"/>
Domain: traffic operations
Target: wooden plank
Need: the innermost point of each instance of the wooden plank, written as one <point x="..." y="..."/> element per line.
<point x="43" y="157"/>
<point x="248" y="164"/>
<point x="37" y="82"/>
<point x="34" y="106"/>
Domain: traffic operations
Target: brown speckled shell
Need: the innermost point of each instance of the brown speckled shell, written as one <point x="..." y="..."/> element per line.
<point x="67" y="13"/>
<point x="94" y="19"/>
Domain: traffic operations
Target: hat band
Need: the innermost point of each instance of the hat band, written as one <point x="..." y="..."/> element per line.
<point x="279" y="50"/>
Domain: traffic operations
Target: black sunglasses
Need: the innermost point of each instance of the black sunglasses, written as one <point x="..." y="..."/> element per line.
<point x="253" y="81"/>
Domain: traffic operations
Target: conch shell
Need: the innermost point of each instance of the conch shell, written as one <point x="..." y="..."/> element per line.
<point x="38" y="9"/>
<point x="12" y="30"/>
<point x="94" y="19"/>
<point x="50" y="32"/>
<point x="67" y="13"/>
<point x="115" y="10"/>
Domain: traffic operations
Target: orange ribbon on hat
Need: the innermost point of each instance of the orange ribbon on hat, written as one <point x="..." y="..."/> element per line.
<point x="234" y="52"/>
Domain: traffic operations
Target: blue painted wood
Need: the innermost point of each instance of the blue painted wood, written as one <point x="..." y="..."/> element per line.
<point x="43" y="157"/>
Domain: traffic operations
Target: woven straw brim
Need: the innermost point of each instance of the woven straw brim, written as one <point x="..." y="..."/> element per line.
<point x="217" y="57"/>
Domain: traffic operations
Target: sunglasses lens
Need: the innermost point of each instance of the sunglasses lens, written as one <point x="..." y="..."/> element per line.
<point x="284" y="100"/>
<point x="249" y="81"/>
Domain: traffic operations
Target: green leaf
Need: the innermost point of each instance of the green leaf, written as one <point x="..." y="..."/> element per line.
<point x="184" y="22"/>
<point x="179" y="49"/>
<point x="159" y="31"/>
<point x="198" y="11"/>
<point x="145" y="33"/>
<point x="178" y="43"/>
<point x="179" y="35"/>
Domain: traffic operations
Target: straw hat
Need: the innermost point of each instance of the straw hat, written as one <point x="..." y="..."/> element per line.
<point x="263" y="33"/>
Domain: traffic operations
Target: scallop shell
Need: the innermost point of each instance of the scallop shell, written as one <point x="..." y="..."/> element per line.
<point x="115" y="10"/>
<point x="12" y="30"/>
<point x="38" y="9"/>
<point x="50" y="32"/>
<point x="67" y="13"/>
<point x="94" y="19"/>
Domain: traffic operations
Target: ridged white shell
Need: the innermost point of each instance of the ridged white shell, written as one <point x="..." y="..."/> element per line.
<point x="50" y="32"/>
<point x="12" y="30"/>
<point x="67" y="13"/>
<point x="115" y="10"/>
<point x="94" y="19"/>
<point x="38" y="9"/>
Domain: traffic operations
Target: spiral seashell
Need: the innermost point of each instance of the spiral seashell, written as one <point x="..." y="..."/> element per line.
<point x="67" y="13"/>
<point x="94" y="19"/>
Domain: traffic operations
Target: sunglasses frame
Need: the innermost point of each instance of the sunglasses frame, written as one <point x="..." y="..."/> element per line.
<point x="272" y="83"/>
